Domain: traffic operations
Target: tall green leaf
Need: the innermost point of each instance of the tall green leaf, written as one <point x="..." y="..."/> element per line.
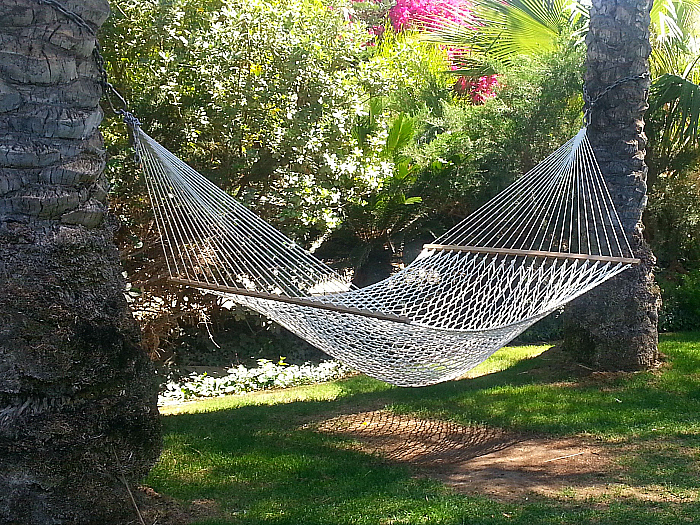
<point x="400" y="134"/>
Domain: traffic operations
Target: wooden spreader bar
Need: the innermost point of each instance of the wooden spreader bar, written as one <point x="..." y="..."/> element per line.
<point x="532" y="253"/>
<point x="301" y="301"/>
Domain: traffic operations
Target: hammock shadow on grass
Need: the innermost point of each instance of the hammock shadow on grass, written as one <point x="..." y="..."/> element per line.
<point x="398" y="437"/>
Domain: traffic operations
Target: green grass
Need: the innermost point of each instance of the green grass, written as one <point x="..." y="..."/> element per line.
<point x="256" y="458"/>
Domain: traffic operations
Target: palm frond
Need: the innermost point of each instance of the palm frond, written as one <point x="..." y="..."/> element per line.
<point x="501" y="30"/>
<point x="664" y="20"/>
<point x="680" y="99"/>
<point x="672" y="19"/>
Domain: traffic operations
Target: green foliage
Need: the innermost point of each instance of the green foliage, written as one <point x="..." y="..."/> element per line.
<point x="367" y="125"/>
<point x="406" y="81"/>
<point x="681" y="295"/>
<point x="400" y="135"/>
<point x="409" y="74"/>
<point x="673" y="118"/>
<point x="675" y="32"/>
<point x="505" y="30"/>
<point x="673" y="156"/>
<point x="254" y="94"/>
<point x="268" y="101"/>
<point x="674" y="123"/>
<point x="673" y="220"/>
<point x="684" y="96"/>
<point x="386" y="210"/>
<point x="264" y="99"/>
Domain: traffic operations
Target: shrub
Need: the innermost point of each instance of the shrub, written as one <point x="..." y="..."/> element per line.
<point x="672" y="218"/>
<point x="254" y="94"/>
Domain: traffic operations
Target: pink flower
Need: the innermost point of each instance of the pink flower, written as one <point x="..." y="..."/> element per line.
<point x="415" y="13"/>
<point x="478" y="90"/>
<point x="462" y="85"/>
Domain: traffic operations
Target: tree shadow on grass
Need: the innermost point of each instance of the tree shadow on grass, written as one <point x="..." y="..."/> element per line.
<point x="267" y="464"/>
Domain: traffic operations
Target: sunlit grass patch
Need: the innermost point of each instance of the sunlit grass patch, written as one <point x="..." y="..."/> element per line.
<point x="319" y="392"/>
<point x="505" y="358"/>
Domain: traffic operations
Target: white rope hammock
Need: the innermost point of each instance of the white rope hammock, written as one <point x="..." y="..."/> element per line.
<point x="548" y="238"/>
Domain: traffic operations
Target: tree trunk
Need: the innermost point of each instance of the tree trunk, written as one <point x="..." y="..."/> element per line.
<point x="78" y="411"/>
<point x="614" y="327"/>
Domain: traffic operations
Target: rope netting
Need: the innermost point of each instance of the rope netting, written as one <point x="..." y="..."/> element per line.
<point x="548" y="238"/>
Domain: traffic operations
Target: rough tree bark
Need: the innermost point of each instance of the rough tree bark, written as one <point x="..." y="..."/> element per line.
<point x="614" y="327"/>
<point x="78" y="408"/>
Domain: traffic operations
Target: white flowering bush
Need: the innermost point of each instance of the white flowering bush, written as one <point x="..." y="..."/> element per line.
<point x="256" y="95"/>
<point x="240" y="379"/>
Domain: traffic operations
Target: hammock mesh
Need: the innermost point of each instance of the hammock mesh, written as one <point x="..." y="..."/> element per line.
<point x="545" y="240"/>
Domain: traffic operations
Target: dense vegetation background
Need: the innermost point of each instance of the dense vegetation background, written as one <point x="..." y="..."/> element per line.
<point x="339" y="123"/>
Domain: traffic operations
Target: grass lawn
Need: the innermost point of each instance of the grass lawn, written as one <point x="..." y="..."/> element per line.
<point x="258" y="460"/>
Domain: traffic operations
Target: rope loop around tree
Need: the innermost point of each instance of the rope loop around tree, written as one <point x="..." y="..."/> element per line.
<point x="590" y="103"/>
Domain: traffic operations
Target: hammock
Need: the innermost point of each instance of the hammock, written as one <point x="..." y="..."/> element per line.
<point x="545" y="240"/>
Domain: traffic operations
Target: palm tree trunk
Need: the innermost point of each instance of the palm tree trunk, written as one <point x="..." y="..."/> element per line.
<point x="615" y="326"/>
<point x="78" y="408"/>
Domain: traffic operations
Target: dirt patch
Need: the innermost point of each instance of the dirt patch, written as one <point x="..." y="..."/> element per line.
<point x="158" y="509"/>
<point x="544" y="466"/>
<point x="488" y="461"/>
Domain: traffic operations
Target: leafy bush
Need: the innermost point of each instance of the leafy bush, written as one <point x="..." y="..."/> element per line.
<point x="408" y="74"/>
<point x="254" y="94"/>
<point x="672" y="218"/>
